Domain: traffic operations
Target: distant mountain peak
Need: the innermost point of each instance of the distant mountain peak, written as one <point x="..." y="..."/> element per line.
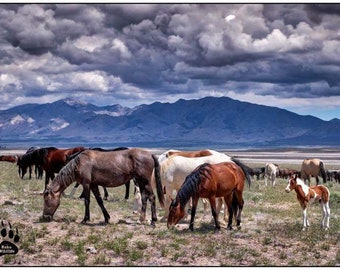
<point x="74" y="102"/>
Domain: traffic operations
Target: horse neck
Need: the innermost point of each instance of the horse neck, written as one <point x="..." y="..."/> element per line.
<point x="59" y="184"/>
<point x="190" y="186"/>
<point x="64" y="178"/>
<point x="301" y="189"/>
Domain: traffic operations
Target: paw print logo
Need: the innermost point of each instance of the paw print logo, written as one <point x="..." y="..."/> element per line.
<point x="9" y="237"/>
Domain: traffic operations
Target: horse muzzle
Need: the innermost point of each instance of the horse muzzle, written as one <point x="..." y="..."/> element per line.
<point x="46" y="218"/>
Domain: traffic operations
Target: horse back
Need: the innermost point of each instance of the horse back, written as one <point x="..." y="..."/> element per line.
<point x="122" y="165"/>
<point x="222" y="178"/>
<point x="322" y="192"/>
<point x="310" y="167"/>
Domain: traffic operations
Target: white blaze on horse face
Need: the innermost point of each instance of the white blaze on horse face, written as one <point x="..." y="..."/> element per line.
<point x="288" y="187"/>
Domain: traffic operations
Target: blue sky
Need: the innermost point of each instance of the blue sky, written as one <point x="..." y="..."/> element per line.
<point x="282" y="55"/>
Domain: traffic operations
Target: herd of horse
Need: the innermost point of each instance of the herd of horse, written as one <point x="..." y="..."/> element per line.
<point x="213" y="176"/>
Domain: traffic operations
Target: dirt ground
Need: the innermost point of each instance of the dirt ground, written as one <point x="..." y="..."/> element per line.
<point x="270" y="235"/>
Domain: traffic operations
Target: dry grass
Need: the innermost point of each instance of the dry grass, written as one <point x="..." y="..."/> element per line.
<point x="270" y="235"/>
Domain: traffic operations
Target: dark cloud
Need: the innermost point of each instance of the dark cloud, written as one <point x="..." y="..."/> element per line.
<point x="153" y="51"/>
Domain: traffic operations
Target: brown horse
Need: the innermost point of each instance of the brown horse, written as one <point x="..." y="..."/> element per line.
<point x="211" y="181"/>
<point x="12" y="159"/>
<point x="313" y="167"/>
<point x="193" y="154"/>
<point x="307" y="195"/>
<point x="106" y="193"/>
<point x="50" y="159"/>
<point x="109" y="169"/>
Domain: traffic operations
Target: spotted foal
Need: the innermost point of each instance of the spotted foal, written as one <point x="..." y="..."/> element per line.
<point x="307" y="195"/>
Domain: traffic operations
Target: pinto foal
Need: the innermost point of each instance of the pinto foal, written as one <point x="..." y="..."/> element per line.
<point x="307" y="195"/>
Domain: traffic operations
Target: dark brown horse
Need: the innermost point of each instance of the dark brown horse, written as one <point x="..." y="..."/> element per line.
<point x="24" y="162"/>
<point x="106" y="194"/>
<point x="109" y="169"/>
<point x="211" y="181"/>
<point x="50" y="159"/>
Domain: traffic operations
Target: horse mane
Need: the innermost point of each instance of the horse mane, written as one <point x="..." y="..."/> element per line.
<point x="66" y="176"/>
<point x="191" y="183"/>
<point x="304" y="187"/>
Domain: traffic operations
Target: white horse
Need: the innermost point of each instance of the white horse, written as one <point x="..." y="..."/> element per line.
<point x="270" y="172"/>
<point x="175" y="169"/>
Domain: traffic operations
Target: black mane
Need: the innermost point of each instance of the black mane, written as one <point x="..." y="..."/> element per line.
<point x="191" y="184"/>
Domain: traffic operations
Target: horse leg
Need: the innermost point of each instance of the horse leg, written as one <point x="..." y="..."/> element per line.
<point x="326" y="213"/>
<point x="238" y="203"/>
<point x="137" y="203"/>
<point x="273" y="179"/>
<point x="30" y="172"/>
<point x="228" y="203"/>
<point x="86" y="192"/>
<point x="100" y="202"/>
<point x="167" y="202"/>
<point x="212" y="201"/>
<point x="127" y="190"/>
<point x="317" y="179"/>
<point x="47" y="179"/>
<point x="193" y="212"/>
<point x="305" y="220"/>
<point x="144" y="202"/>
<point x="106" y="194"/>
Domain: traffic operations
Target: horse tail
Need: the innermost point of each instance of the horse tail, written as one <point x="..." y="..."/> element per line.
<point x="159" y="186"/>
<point x="246" y="170"/>
<point x="323" y="171"/>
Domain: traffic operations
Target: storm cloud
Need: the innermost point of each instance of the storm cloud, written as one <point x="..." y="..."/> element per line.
<point x="141" y="53"/>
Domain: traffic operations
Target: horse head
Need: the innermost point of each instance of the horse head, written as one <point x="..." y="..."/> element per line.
<point x="51" y="203"/>
<point x="291" y="183"/>
<point x="176" y="213"/>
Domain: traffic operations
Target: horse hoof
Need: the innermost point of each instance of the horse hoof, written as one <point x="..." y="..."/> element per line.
<point x="239" y="227"/>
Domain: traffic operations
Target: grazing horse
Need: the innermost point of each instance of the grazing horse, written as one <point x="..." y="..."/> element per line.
<point x="106" y="194"/>
<point x="25" y="162"/>
<point x="307" y="195"/>
<point x="257" y="172"/>
<point x="270" y="172"/>
<point x="313" y="167"/>
<point x="211" y="181"/>
<point x="286" y="173"/>
<point x="193" y="154"/>
<point x="50" y="159"/>
<point x="109" y="169"/>
<point x="175" y="168"/>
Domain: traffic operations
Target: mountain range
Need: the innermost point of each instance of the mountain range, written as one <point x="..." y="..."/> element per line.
<point x="206" y="122"/>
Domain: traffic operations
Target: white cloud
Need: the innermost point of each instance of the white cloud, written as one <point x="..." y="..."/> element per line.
<point x="119" y="45"/>
<point x="90" y="43"/>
